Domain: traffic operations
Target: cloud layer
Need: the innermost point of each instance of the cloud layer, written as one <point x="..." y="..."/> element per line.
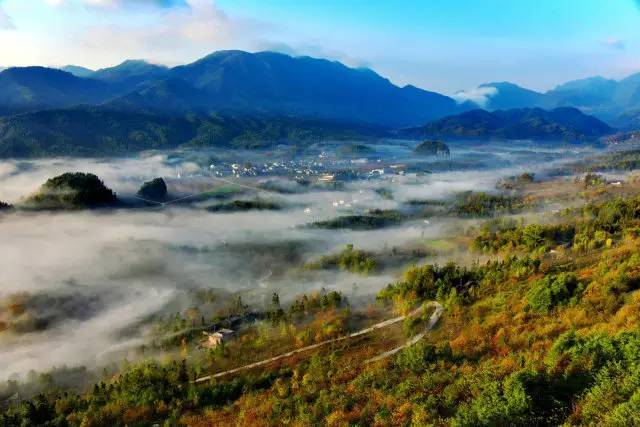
<point x="615" y="43"/>
<point x="122" y="3"/>
<point x="162" y="31"/>
<point x="98" y="275"/>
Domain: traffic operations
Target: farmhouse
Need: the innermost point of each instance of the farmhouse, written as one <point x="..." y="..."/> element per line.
<point x="214" y="339"/>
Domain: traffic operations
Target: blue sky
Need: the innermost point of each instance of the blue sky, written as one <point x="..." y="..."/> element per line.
<point x="434" y="44"/>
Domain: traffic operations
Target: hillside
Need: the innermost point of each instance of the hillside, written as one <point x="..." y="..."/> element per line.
<point x="628" y="121"/>
<point x="560" y="124"/>
<point x="544" y="331"/>
<point x="33" y="88"/>
<point x="97" y="132"/>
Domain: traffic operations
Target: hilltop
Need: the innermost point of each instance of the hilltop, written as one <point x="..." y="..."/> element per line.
<point x="432" y="148"/>
<point x="72" y="191"/>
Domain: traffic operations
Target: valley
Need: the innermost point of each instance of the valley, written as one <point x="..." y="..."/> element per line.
<point x="305" y="213"/>
<point x="235" y="244"/>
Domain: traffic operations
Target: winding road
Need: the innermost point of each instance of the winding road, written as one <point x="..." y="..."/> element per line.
<point x="433" y="319"/>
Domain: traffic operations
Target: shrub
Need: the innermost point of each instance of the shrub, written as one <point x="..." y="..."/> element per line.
<point x="551" y="291"/>
<point x="349" y="259"/>
<point x="484" y="204"/>
<point x="155" y="190"/>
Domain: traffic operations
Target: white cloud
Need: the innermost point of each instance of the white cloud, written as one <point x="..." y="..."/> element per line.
<point x="615" y="43"/>
<point x="193" y="31"/>
<point x="479" y="95"/>
<point x="160" y="34"/>
<point x="120" y="3"/>
<point x="5" y="20"/>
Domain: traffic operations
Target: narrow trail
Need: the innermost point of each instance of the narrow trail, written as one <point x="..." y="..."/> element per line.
<point x="433" y="319"/>
<point x="432" y="322"/>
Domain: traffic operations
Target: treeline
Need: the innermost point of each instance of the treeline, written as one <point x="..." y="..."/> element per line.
<point x="480" y="204"/>
<point x="373" y="219"/>
<point x="349" y="259"/>
<point x="620" y="160"/>
<point x="144" y="393"/>
<point x="455" y="283"/>
<point x="94" y="131"/>
<point x="591" y="227"/>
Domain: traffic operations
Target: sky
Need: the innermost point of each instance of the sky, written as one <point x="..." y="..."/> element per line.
<point x="443" y="46"/>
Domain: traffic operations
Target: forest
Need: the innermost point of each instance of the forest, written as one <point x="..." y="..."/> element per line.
<point x="101" y="131"/>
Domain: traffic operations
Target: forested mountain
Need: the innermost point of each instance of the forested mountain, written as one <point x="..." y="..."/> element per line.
<point x="91" y="131"/>
<point x="326" y="96"/>
<point x="264" y="82"/>
<point x="564" y="124"/>
<point x="94" y="131"/>
<point x="270" y="82"/>
<point x="279" y="84"/>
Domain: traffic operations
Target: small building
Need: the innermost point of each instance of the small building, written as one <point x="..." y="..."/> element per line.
<point x="327" y="178"/>
<point x="214" y="339"/>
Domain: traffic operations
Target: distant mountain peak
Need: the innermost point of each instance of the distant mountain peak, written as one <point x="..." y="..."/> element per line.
<point x="506" y="85"/>
<point x="130" y="74"/>
<point x="500" y="95"/>
<point x="78" y="71"/>
<point x="132" y="65"/>
<point x="129" y="62"/>
<point x="586" y="83"/>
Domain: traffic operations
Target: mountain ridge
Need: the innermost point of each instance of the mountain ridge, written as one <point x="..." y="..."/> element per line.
<point x="565" y="124"/>
<point x="251" y="83"/>
<point x="271" y="83"/>
<point x="608" y="99"/>
<point x="98" y="131"/>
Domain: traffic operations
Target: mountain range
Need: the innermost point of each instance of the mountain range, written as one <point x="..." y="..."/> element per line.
<point x="235" y="97"/>
<point x="275" y="83"/>
<point x="264" y="83"/>
<point x="615" y="101"/>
